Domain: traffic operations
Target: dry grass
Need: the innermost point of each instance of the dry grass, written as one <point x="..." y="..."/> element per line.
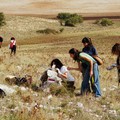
<point x="35" y="52"/>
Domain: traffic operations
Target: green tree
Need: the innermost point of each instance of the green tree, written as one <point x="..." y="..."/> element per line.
<point x="2" y="19"/>
<point x="68" y="19"/>
<point x="104" y="22"/>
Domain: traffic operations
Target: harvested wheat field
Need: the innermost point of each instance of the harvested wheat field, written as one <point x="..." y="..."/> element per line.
<point x="35" y="51"/>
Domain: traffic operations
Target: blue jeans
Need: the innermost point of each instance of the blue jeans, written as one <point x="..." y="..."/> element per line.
<point x="86" y="78"/>
<point x="96" y="80"/>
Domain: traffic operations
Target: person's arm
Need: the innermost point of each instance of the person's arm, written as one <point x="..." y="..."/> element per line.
<point x="61" y="75"/>
<point x="78" y="69"/>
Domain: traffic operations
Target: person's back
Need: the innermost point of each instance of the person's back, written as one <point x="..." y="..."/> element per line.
<point x="88" y="47"/>
<point x="63" y="70"/>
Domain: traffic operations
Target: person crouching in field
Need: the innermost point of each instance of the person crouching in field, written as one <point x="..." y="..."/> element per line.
<point x="13" y="46"/>
<point x="64" y="74"/>
<point x="91" y="69"/>
<point x="116" y="51"/>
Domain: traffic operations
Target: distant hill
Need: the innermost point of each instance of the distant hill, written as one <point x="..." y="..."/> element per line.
<point x="52" y="7"/>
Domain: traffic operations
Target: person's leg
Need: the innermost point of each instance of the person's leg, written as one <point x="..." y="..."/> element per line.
<point x="11" y="51"/>
<point x="96" y="80"/>
<point x="14" y="48"/>
<point x="85" y="83"/>
<point x="70" y="85"/>
<point x="84" y="67"/>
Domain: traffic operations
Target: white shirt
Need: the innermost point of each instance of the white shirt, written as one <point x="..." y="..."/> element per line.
<point x="65" y="70"/>
<point x="14" y="42"/>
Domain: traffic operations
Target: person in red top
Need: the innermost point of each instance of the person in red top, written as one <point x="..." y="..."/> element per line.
<point x="13" y="46"/>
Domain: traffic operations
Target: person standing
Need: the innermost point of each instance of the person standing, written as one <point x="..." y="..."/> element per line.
<point x="91" y="69"/>
<point x="91" y="50"/>
<point x="13" y="46"/>
<point x="116" y="51"/>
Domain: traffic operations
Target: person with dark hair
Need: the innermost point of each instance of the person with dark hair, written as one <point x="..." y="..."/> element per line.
<point x="91" y="50"/>
<point x="63" y="73"/>
<point x="88" y="46"/>
<point x="116" y="51"/>
<point x="13" y="46"/>
<point x="1" y="40"/>
<point x="91" y="70"/>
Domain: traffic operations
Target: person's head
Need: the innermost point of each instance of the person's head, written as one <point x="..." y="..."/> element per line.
<point x="116" y="49"/>
<point x="57" y="63"/>
<point x="86" y="41"/>
<point x="74" y="53"/>
<point x="12" y="38"/>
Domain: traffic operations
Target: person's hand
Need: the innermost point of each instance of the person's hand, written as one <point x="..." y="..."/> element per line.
<point x="91" y="73"/>
<point x="58" y="71"/>
<point x="69" y="68"/>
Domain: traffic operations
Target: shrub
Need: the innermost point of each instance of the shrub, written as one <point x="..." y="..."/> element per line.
<point x="104" y="22"/>
<point x="61" y="30"/>
<point x="2" y="19"/>
<point x="69" y="19"/>
<point x="64" y="16"/>
<point x="47" y="31"/>
<point x="69" y="23"/>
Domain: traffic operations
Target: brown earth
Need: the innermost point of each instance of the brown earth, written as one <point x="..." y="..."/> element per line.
<point x="46" y="8"/>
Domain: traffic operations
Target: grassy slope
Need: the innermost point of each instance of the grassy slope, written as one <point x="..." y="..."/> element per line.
<point x="34" y="53"/>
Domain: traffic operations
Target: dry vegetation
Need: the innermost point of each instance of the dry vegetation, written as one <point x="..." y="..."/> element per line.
<point x="34" y="53"/>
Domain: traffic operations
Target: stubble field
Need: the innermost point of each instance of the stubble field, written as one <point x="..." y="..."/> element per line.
<point x="34" y="54"/>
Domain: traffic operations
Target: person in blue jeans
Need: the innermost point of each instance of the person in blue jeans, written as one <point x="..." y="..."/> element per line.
<point x="91" y="50"/>
<point x="91" y="69"/>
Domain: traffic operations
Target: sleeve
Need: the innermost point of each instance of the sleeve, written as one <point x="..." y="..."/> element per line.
<point x="94" y="51"/>
<point x="83" y="50"/>
<point x="64" y="69"/>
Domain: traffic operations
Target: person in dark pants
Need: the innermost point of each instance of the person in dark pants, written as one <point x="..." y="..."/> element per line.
<point x="116" y="51"/>
<point x="1" y="40"/>
<point x="64" y="74"/>
<point x="13" y="46"/>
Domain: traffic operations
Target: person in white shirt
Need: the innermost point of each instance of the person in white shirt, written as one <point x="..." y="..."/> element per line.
<point x="63" y="73"/>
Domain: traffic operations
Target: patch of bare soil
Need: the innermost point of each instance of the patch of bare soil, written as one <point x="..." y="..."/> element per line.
<point x="53" y="7"/>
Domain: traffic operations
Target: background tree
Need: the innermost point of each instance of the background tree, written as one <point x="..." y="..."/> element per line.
<point x="68" y="19"/>
<point x="2" y="19"/>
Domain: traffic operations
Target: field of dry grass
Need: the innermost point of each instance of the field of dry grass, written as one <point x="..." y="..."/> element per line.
<point x="34" y="53"/>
